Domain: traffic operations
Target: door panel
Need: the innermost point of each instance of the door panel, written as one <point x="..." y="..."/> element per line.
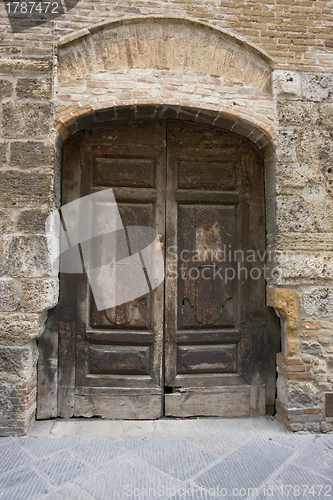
<point x="204" y="235"/>
<point x="118" y="351"/>
<point x="201" y="333"/>
<point x="214" y="194"/>
<point x="207" y="358"/>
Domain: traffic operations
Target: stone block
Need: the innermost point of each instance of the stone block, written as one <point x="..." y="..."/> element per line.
<point x="286" y="303"/>
<point x="286" y="144"/>
<point x="6" y="223"/>
<point x="328" y="172"/>
<point x="302" y="394"/>
<point x="293" y="214"/>
<point x="23" y="188"/>
<point x="313" y="325"/>
<point x="30" y="154"/>
<point x="326" y="115"/>
<point x="34" y="88"/>
<point x="326" y="330"/>
<point x="294" y="174"/>
<point x="304" y="267"/>
<point x="287" y="84"/>
<point x="307" y="335"/>
<point x="3" y="153"/>
<point x="39" y="294"/>
<point x="292" y="427"/>
<point x="294" y="113"/>
<point x="18" y="329"/>
<point x="26" y="120"/>
<point x="25" y="256"/>
<point x="6" y="88"/>
<point x="325" y="341"/>
<point x="312" y="426"/>
<point x="311" y="348"/>
<point x="25" y="66"/>
<point x="10" y="293"/>
<point x="18" y="362"/>
<point x="317" y="87"/>
<point x="32" y="220"/>
<point x="323" y="215"/>
<point x="326" y="427"/>
<point x="314" y="147"/>
<point x="318" y="302"/>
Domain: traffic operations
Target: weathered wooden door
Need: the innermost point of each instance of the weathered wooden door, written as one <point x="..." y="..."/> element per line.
<point x="198" y="343"/>
<point x="220" y="342"/>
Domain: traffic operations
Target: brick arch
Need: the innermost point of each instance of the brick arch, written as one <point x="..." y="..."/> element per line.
<point x="179" y="67"/>
<point x="159" y="42"/>
<point x="75" y="118"/>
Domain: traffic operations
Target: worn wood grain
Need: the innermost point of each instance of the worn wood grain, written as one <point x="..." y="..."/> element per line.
<point x="210" y="340"/>
<point x="227" y="401"/>
<point x="47" y="368"/>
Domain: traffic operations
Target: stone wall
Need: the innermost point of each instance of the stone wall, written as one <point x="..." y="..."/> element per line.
<point x="296" y="34"/>
<point x="44" y="99"/>
<point x="28" y="287"/>
<point x="303" y="241"/>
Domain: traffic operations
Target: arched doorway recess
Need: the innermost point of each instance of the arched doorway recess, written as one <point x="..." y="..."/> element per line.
<point x="203" y="343"/>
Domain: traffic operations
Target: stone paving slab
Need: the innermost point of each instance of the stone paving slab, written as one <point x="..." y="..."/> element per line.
<point x="11" y="456"/>
<point x="128" y="478"/>
<point x="24" y="483"/>
<point x="176" y="457"/>
<point x="98" y="451"/>
<point x="221" y="444"/>
<point x="69" y="492"/>
<point x="248" y="467"/>
<point x="294" y="482"/>
<point x="43" y="447"/>
<point x="162" y="427"/>
<point x="62" y="468"/>
<point x="318" y="458"/>
<point x="130" y="443"/>
<point x="167" y="459"/>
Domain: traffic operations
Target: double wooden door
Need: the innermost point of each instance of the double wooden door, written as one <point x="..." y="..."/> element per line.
<point x="201" y="343"/>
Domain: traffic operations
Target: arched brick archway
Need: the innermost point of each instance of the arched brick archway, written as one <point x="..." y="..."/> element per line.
<point x="75" y="118"/>
<point x="149" y="70"/>
<point x="136" y="64"/>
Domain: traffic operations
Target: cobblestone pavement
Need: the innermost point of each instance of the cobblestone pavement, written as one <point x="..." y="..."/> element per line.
<point x="178" y="459"/>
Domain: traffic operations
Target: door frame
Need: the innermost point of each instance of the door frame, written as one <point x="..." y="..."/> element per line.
<point x="48" y="376"/>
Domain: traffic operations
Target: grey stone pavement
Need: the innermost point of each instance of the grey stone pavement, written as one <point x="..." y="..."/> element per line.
<point x="179" y="459"/>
